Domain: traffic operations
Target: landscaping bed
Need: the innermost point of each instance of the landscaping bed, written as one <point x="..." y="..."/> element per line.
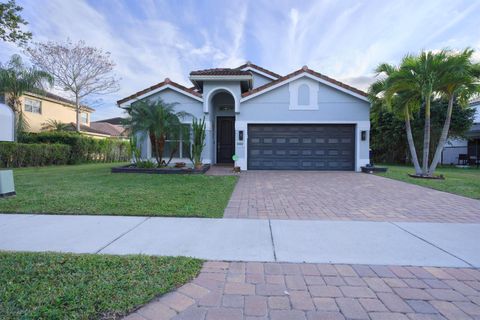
<point x="461" y="181"/>
<point x="93" y="189"/>
<point x="163" y="170"/>
<point x="71" y="286"/>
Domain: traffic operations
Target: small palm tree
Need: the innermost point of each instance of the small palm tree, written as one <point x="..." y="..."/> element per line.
<point x="15" y="80"/>
<point x="54" y="125"/>
<point x="156" y="118"/>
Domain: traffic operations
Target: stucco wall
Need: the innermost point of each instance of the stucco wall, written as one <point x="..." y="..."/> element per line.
<point x="333" y="105"/>
<point x="259" y="80"/>
<point x="50" y="111"/>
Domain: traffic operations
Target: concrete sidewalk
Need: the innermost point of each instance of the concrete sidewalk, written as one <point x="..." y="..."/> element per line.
<point x="349" y="242"/>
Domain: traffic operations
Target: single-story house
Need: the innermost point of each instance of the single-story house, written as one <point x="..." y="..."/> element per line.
<point x="301" y="121"/>
<point x="466" y="150"/>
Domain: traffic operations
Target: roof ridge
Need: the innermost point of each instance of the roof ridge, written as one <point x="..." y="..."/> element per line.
<point x="167" y="81"/>
<point x="305" y="69"/>
<point x="254" y="66"/>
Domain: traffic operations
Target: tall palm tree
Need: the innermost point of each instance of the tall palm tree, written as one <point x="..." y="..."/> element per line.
<point x="389" y="93"/>
<point x="15" y="80"/>
<point x="156" y="118"/>
<point x="460" y="80"/>
<point x="422" y="74"/>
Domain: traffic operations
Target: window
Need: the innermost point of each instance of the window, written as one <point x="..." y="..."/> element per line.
<point x="34" y="106"/>
<point x="303" y="95"/>
<point x="84" y="118"/>
<point x="177" y="142"/>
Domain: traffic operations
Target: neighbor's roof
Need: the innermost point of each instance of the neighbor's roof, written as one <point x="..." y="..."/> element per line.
<point x="116" y="120"/>
<point x="57" y="98"/>
<point x="254" y="66"/>
<point x="167" y="81"/>
<point x="220" y="72"/>
<point x="108" y="128"/>
<point x="305" y="69"/>
<point x="87" y="129"/>
<point x="474" y="102"/>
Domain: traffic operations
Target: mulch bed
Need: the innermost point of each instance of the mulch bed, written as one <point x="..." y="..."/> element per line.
<point x="168" y="170"/>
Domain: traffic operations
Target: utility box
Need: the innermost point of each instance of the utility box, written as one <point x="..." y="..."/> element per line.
<point x="7" y="188"/>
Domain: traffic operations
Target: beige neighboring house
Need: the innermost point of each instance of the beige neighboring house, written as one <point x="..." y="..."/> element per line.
<point x="40" y="108"/>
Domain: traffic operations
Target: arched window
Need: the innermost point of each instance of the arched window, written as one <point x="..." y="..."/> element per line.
<point x="303" y="95"/>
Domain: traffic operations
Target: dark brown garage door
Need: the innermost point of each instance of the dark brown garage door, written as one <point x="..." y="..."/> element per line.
<point x="301" y="147"/>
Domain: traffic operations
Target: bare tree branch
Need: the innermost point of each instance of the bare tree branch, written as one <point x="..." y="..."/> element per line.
<point x="77" y="68"/>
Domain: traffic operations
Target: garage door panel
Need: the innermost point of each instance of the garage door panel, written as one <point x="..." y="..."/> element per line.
<point x="301" y="147"/>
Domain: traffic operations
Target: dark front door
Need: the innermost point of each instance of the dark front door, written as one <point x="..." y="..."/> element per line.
<point x="225" y="139"/>
<point x="301" y="147"/>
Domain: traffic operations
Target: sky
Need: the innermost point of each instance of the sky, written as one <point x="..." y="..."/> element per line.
<point x="151" y="40"/>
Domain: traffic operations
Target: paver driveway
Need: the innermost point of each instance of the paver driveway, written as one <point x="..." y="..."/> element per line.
<point x="343" y="196"/>
<point x="284" y="291"/>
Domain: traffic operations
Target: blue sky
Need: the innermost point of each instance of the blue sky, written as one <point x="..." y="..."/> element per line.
<point x="151" y="40"/>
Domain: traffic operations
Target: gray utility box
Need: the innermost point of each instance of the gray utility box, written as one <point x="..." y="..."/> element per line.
<point x="7" y="188"/>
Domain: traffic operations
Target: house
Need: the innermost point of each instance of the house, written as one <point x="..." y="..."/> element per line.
<point x="301" y="121"/>
<point x="464" y="151"/>
<point x="114" y="127"/>
<point x="38" y="109"/>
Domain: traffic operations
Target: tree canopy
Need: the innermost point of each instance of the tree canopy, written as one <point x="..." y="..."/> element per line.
<point x="11" y="23"/>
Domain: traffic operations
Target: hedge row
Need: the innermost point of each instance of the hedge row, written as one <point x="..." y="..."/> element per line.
<point x="83" y="149"/>
<point x="13" y="155"/>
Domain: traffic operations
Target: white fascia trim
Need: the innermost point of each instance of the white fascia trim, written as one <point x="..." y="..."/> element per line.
<point x="364" y="124"/>
<point x="259" y="72"/>
<point x="226" y="78"/>
<point x="167" y="86"/>
<point x="306" y="74"/>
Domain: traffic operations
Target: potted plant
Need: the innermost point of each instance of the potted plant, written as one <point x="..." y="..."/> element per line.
<point x="198" y="144"/>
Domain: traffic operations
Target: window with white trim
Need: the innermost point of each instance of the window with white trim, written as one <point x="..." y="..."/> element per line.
<point x="84" y="118"/>
<point x="177" y="142"/>
<point x="33" y="106"/>
<point x="303" y="94"/>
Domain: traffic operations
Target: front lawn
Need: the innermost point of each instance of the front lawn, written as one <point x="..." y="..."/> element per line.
<point x="461" y="181"/>
<point x="68" y="286"/>
<point x="92" y="189"/>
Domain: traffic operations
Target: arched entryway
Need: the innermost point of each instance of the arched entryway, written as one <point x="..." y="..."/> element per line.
<point x="222" y="111"/>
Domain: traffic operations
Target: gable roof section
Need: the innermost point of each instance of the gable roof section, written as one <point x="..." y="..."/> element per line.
<point x="166" y="84"/>
<point x="311" y="74"/>
<point x="259" y="70"/>
<point x="57" y="99"/>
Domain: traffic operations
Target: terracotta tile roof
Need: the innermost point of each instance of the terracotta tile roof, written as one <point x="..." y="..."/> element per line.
<point x="108" y="128"/>
<point x="254" y="66"/>
<point x="85" y="128"/>
<point x="116" y="120"/>
<point x="220" y="72"/>
<point x="159" y="85"/>
<point x="300" y="71"/>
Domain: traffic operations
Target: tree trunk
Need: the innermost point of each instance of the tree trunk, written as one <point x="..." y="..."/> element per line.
<point x="411" y="144"/>
<point x="426" y="136"/>
<point x="443" y="137"/>
<point x="161" y="148"/>
<point x="77" y="107"/>
<point x="154" y="143"/>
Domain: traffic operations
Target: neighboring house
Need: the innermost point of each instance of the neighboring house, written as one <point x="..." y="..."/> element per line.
<point x="301" y="121"/>
<point x="462" y="151"/>
<point x="38" y="109"/>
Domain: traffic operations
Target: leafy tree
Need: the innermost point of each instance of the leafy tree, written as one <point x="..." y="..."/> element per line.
<point x="11" y="22"/>
<point x="77" y="68"/>
<point x="54" y="125"/>
<point x="156" y="118"/>
<point x="15" y="80"/>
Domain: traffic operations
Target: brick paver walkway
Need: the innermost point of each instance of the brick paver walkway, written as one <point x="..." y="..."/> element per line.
<point x="343" y="196"/>
<point x="320" y="291"/>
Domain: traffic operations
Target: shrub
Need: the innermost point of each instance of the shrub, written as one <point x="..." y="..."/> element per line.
<point x="84" y="149"/>
<point x="13" y="155"/>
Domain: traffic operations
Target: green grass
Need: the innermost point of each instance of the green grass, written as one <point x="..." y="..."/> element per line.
<point x="92" y="189"/>
<point x="461" y="181"/>
<point x="68" y="286"/>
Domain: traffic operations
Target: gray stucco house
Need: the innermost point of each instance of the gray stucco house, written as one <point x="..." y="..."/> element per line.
<point x="300" y="121"/>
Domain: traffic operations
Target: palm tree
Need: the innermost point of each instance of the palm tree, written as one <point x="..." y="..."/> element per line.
<point x="459" y="81"/>
<point x="401" y="99"/>
<point x="156" y="118"/>
<point x="54" y="125"/>
<point x="15" y="80"/>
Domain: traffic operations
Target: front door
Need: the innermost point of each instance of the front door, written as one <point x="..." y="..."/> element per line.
<point x="225" y="139"/>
